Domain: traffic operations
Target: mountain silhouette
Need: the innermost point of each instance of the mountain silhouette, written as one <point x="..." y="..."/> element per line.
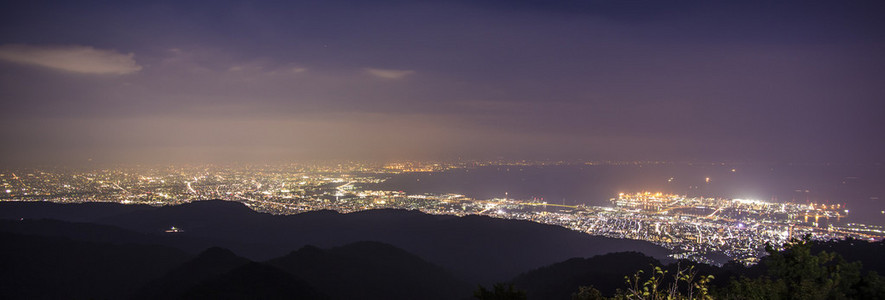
<point x="41" y="267"/>
<point x="210" y="264"/>
<point x="372" y="270"/>
<point x="254" y="281"/>
<point x="74" y="212"/>
<point x="605" y="272"/>
<point x="101" y="233"/>
<point x="377" y="254"/>
<point x="868" y="253"/>
<point x="477" y="248"/>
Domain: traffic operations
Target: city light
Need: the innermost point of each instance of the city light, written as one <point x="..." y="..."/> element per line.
<point x="691" y="226"/>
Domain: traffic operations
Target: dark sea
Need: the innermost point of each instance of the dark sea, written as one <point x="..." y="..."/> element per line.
<point x="861" y="189"/>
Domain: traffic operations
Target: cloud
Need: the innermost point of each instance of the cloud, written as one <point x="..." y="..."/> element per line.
<point x="78" y="59"/>
<point x="388" y="73"/>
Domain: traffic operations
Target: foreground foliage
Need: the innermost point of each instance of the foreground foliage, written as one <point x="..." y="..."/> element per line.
<point x="792" y="273"/>
<point x="499" y="292"/>
<point x="797" y="273"/>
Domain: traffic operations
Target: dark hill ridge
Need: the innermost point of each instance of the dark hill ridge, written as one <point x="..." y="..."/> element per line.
<point x="100" y="233"/>
<point x="477" y="248"/>
<point x="51" y="259"/>
<point x="362" y="270"/>
<point x="210" y="264"/>
<point x="604" y="272"/>
<point x="371" y="270"/>
<point x="41" y="267"/>
<point x="49" y="267"/>
<point x="214" y="218"/>
<point x="74" y="212"/>
<point x="869" y="254"/>
<point x="254" y="281"/>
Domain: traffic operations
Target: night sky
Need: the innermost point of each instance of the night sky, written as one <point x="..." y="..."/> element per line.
<point x="195" y="81"/>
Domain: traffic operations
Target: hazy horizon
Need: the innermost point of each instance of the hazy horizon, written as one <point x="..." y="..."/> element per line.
<point x="236" y="81"/>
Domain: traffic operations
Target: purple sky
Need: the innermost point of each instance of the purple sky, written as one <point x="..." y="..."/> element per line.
<point x="170" y="81"/>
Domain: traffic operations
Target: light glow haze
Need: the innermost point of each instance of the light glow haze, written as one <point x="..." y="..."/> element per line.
<point x="200" y="81"/>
